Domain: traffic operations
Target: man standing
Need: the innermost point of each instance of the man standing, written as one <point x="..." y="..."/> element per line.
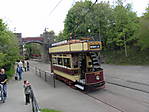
<point x="3" y="81"/>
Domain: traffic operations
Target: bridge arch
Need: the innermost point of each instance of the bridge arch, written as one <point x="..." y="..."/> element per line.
<point x="39" y="40"/>
<point x="45" y="40"/>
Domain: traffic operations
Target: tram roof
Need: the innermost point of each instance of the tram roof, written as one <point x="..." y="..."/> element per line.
<point x="70" y="46"/>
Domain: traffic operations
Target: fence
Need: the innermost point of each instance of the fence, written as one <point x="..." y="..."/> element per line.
<point x="47" y="76"/>
<point x="35" y="107"/>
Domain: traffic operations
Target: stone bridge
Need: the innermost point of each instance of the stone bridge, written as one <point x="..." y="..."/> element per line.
<point x="27" y="40"/>
<point x="45" y="40"/>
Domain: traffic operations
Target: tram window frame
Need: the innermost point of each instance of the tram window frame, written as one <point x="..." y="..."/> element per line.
<point x="75" y="61"/>
<point x="67" y="63"/>
<point x="59" y="61"/>
<point x="54" y="61"/>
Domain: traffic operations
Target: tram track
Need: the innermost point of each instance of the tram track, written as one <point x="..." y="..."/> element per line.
<point x="133" y="88"/>
<point x="99" y="100"/>
<point x="111" y="105"/>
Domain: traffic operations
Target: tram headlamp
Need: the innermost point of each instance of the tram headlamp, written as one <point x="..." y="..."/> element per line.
<point x="97" y="77"/>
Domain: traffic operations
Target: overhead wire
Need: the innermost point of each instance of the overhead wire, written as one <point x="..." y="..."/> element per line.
<point x="55" y="7"/>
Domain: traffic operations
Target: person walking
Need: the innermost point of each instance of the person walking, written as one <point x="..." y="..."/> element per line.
<point x="3" y="81"/>
<point x="20" y="64"/>
<point x="19" y="72"/>
<point x="27" y="66"/>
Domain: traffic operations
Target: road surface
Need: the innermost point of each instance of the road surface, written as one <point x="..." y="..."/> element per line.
<point x="113" y="98"/>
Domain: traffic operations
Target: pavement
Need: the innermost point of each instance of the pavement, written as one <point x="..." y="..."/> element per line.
<point x="15" y="101"/>
<point x="61" y="98"/>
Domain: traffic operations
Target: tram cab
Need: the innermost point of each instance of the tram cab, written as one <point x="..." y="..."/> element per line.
<point x="77" y="63"/>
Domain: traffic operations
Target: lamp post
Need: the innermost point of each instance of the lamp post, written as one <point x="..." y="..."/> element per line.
<point x="125" y="46"/>
<point x="89" y="30"/>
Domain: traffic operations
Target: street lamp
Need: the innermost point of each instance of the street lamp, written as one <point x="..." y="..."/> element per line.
<point x="89" y="30"/>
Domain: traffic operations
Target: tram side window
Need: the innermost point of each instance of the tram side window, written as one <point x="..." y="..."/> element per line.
<point x="59" y="61"/>
<point x="67" y="62"/>
<point x="54" y="61"/>
<point x="75" y="61"/>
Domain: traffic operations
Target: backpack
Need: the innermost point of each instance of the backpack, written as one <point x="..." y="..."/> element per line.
<point x="19" y="69"/>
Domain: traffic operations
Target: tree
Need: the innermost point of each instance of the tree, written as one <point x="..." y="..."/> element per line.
<point x="9" y="51"/>
<point x="75" y="23"/>
<point x="60" y="37"/>
<point x="85" y="16"/>
<point x="114" y="26"/>
<point x="124" y="26"/>
<point x="33" y="48"/>
<point x="143" y="34"/>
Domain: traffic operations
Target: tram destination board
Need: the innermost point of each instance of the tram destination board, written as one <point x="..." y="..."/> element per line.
<point x="94" y="46"/>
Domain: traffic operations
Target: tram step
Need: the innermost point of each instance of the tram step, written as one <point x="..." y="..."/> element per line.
<point x="93" y="56"/>
<point x="96" y="63"/>
<point x="79" y="86"/>
<point x="96" y="58"/>
<point x="96" y="67"/>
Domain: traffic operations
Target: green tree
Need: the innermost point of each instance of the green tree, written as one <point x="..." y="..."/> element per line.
<point x="115" y="26"/>
<point x="124" y="26"/>
<point x="60" y="37"/>
<point x="143" y="34"/>
<point x="75" y="23"/>
<point x="86" y="16"/>
<point x="33" y="48"/>
<point x="9" y="51"/>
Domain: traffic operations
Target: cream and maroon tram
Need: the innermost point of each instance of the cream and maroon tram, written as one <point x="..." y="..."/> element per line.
<point x="77" y="63"/>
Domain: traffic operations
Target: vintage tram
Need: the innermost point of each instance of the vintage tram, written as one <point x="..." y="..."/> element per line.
<point x="77" y="63"/>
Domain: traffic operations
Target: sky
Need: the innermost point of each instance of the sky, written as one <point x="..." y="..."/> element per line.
<point x="31" y="17"/>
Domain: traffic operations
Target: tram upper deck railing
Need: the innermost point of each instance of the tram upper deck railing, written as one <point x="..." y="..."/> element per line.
<point x="75" y="46"/>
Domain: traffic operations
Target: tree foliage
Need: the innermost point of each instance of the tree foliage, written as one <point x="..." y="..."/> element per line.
<point x="113" y="25"/>
<point x="124" y="26"/>
<point x="143" y="34"/>
<point x="33" y="48"/>
<point x="9" y="50"/>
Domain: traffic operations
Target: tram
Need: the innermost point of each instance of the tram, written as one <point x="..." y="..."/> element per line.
<point x="77" y="63"/>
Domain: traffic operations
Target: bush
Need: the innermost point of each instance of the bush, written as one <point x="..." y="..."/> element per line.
<point x="10" y="72"/>
<point x="135" y="57"/>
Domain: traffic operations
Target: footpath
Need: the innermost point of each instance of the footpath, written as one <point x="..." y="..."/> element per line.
<point x="61" y="98"/>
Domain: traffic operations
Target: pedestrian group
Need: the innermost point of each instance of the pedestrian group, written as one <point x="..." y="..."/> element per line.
<point x="21" y="66"/>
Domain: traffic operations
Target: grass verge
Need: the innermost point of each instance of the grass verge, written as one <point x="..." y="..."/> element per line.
<point x="48" y="110"/>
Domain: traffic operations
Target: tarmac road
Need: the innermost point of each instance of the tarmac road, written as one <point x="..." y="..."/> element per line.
<point x="122" y="98"/>
<point x="60" y="98"/>
<point x="111" y="99"/>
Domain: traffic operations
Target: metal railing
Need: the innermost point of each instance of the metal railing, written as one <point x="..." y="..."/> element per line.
<point x="2" y="98"/>
<point x="47" y="76"/>
<point x="35" y="107"/>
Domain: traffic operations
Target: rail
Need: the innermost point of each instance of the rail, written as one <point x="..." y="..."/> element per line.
<point x="47" y="76"/>
<point x="35" y="107"/>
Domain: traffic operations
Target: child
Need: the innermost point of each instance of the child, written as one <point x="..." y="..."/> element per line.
<point x="27" y="90"/>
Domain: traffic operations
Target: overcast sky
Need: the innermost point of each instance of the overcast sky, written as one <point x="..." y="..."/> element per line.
<point x="30" y="17"/>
